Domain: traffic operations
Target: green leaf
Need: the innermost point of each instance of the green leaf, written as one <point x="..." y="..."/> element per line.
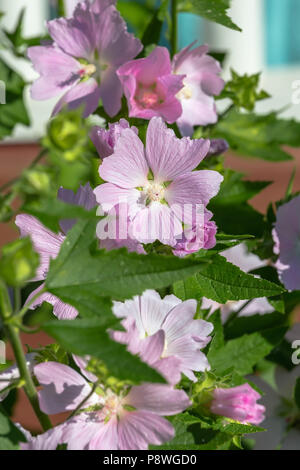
<point x="88" y="337"/>
<point x="253" y="323"/>
<point x="238" y="219"/>
<point x="259" y="136"/>
<point x="10" y="436"/>
<point x="222" y="281"/>
<point x="81" y="272"/>
<point x="51" y="210"/>
<point x="13" y="111"/>
<point x="242" y="90"/>
<point x="153" y="31"/>
<point x="235" y="190"/>
<point x="219" y="423"/>
<point x="213" y="10"/>
<point x="218" y="334"/>
<point x="297" y="392"/>
<point x="244" y="352"/>
<point x="136" y="14"/>
<point x="19" y="262"/>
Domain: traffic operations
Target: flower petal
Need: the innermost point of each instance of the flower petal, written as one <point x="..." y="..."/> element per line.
<point x="106" y="437"/>
<point x="58" y="71"/>
<point x="45" y="242"/>
<point x="193" y="189"/>
<point x="127" y="166"/>
<point x="63" y="388"/>
<point x="157" y="398"/>
<point x="156" y="222"/>
<point x="86" y="94"/>
<point x="138" y="429"/>
<point x="170" y="157"/>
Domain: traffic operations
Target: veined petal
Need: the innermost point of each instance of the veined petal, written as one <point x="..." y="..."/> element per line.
<point x="178" y="321"/>
<point x="170" y="157"/>
<point x="46" y="243"/>
<point x="157" y="398"/>
<point x="192" y="189"/>
<point x="138" y="429"/>
<point x="59" y="72"/>
<point x="127" y="166"/>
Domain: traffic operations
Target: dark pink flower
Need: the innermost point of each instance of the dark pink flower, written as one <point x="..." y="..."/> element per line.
<point x="150" y="87"/>
<point x="238" y="403"/>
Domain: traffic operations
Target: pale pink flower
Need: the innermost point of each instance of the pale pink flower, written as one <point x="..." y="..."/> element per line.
<point x="238" y="403"/>
<point x="47" y="244"/>
<point x="105" y="140"/>
<point x="157" y="183"/>
<point x="164" y="333"/>
<point x="286" y="235"/>
<point x="201" y="82"/>
<point x="129" y="420"/>
<point x="150" y="87"/>
<point x="82" y="61"/>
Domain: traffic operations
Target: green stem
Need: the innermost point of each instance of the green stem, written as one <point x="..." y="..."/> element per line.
<point x="95" y="385"/>
<point x="25" y="307"/>
<point x="174" y="27"/>
<point x="29" y="387"/>
<point x="25" y="375"/>
<point x="17" y="299"/>
<point x="38" y="158"/>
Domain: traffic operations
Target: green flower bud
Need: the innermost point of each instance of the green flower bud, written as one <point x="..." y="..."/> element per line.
<point x="19" y="262"/>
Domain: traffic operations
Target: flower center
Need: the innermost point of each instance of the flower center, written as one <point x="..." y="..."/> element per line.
<point x="154" y="191"/>
<point x="147" y="97"/>
<point x="87" y="70"/>
<point x="185" y="93"/>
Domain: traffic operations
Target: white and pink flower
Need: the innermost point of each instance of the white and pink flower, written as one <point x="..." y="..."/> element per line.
<point x="164" y="333"/>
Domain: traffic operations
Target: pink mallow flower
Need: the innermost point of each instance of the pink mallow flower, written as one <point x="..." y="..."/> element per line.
<point x="157" y="183"/>
<point x="201" y="82"/>
<point x="82" y="61"/>
<point x="202" y="236"/>
<point x="47" y="244"/>
<point x="128" y="420"/>
<point x="164" y="334"/>
<point x="286" y="235"/>
<point x="238" y="403"/>
<point x="151" y="88"/>
<point x="105" y="140"/>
